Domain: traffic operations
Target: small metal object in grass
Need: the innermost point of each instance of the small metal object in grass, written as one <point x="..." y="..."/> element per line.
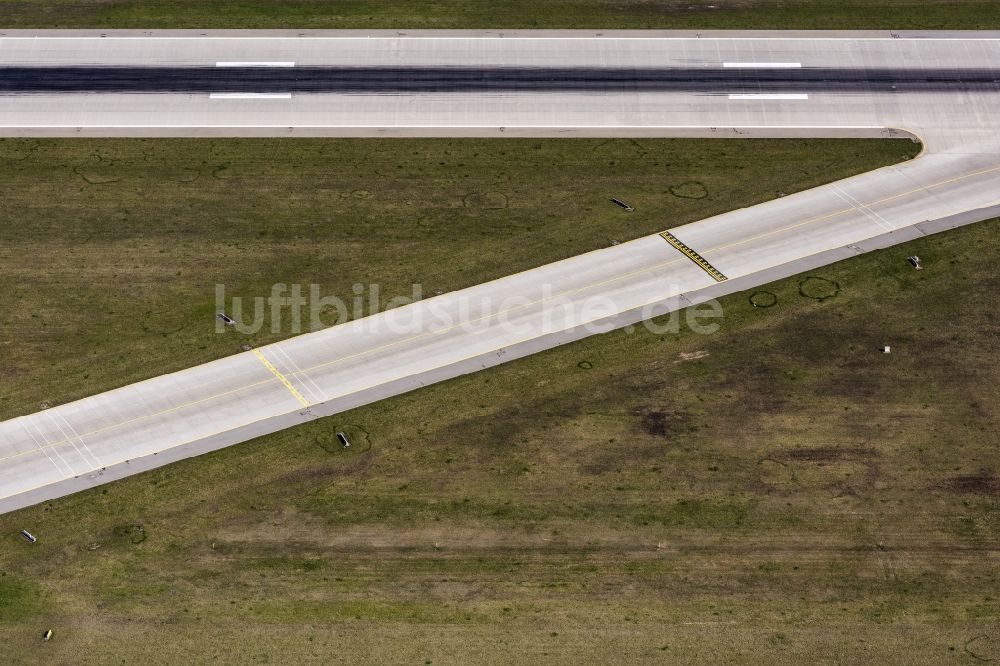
<point x="47" y="634"/>
<point x="28" y="536"/>
<point x="343" y="439"/>
<point x="622" y="204"/>
<point x="886" y="349"/>
<point x="915" y="262"/>
<point x="226" y="319"/>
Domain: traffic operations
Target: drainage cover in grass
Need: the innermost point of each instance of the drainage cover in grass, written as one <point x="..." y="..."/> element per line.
<point x="358" y="437"/>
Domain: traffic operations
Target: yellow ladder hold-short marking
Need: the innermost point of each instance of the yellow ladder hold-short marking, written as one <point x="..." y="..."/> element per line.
<point x="694" y="256"/>
<point x="281" y="377"/>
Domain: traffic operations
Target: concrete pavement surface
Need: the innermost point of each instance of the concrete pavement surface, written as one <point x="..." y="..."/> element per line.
<point x="955" y="181"/>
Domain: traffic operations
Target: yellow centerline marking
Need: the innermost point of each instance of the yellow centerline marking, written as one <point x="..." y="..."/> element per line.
<point x="661" y="264"/>
<point x="701" y="262"/>
<point x="848" y="210"/>
<point x="97" y="431"/>
<point x="284" y="380"/>
<point x="633" y="273"/>
<point x="281" y="377"/>
<point x="514" y="308"/>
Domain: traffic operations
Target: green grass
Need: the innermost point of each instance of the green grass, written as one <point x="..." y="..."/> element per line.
<point x="19" y="598"/>
<point x="134" y="235"/>
<point x="597" y="14"/>
<point x="776" y="492"/>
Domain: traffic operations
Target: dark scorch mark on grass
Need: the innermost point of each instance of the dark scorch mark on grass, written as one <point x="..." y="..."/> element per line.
<point x="982" y="482"/>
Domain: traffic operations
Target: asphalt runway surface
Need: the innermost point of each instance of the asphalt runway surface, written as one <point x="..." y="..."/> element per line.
<point x="940" y="88"/>
<point x="404" y="80"/>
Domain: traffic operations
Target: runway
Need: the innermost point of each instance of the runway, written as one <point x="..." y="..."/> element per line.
<point x="498" y="80"/>
<point x="937" y="87"/>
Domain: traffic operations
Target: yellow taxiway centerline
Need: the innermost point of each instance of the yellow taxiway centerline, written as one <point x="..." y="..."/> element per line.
<point x="304" y="402"/>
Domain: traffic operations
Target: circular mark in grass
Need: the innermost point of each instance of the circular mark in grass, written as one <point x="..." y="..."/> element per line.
<point x="585" y="365"/>
<point x="186" y="175"/>
<point x="489" y="200"/>
<point x="96" y="177"/>
<point x="818" y="289"/>
<point x="362" y="194"/>
<point x="358" y="437"/>
<point x="164" y="322"/>
<point x="691" y="189"/>
<point x="17" y="149"/>
<point x="763" y="299"/>
<point x="983" y="647"/>
<point x="775" y="473"/>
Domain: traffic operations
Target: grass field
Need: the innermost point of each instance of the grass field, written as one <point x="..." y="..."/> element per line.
<point x="133" y="236"/>
<point x="599" y="14"/>
<point x="776" y="492"/>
